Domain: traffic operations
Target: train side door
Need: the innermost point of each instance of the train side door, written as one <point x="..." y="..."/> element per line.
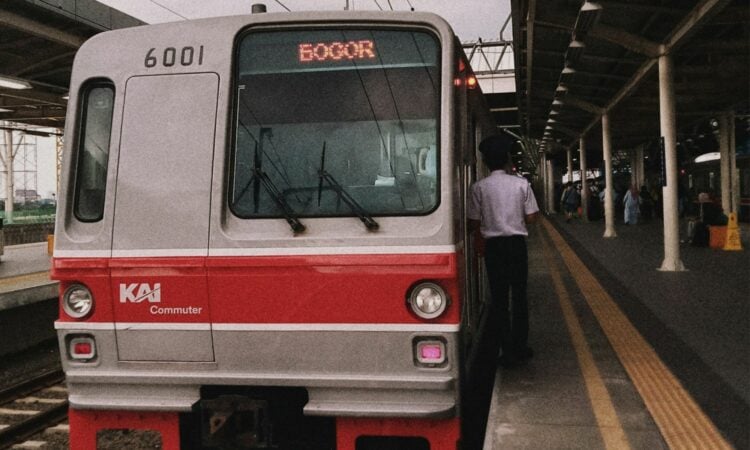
<point x="161" y="225"/>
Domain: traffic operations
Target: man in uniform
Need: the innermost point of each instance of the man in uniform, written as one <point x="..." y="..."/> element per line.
<point x="500" y="207"/>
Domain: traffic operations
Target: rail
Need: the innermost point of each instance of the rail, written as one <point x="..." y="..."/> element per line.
<point x="34" y="422"/>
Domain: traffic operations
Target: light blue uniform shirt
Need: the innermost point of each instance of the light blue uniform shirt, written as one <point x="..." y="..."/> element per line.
<point x="501" y="202"/>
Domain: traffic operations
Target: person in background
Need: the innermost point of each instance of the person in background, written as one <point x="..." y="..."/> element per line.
<point x="500" y="207"/>
<point x="569" y="201"/>
<point x="632" y="205"/>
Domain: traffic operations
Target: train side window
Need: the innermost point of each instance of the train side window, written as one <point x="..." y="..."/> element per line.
<point x="95" y="126"/>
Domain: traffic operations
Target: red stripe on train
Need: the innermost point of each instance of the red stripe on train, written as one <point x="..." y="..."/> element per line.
<point x="264" y="289"/>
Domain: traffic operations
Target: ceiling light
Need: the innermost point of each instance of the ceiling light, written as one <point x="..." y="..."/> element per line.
<point x="2" y="110"/>
<point x="587" y="17"/>
<point x="13" y="83"/>
<point x="574" y="52"/>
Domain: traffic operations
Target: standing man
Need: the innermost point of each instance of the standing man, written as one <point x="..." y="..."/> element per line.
<point x="501" y="205"/>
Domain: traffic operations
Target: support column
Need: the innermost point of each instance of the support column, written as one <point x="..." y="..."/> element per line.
<point x="609" y="206"/>
<point x="668" y="122"/>
<point x="7" y="159"/>
<point x="585" y="193"/>
<point x="570" y="165"/>
<point x="549" y="207"/>
<point x="641" y="172"/>
<point x="551" y="200"/>
<point x="726" y="173"/>
<point x="542" y="171"/>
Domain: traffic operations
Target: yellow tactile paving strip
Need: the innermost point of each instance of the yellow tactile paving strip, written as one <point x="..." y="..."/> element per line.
<point x="681" y="421"/>
<point x="611" y="430"/>
<point x="24" y="281"/>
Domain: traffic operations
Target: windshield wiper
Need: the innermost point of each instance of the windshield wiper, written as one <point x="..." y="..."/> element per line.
<point x="323" y="175"/>
<point x="261" y="178"/>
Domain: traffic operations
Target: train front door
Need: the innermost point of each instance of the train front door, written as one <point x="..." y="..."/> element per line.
<point x="161" y="224"/>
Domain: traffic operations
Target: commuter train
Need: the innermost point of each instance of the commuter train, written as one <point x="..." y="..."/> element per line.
<point x="261" y="236"/>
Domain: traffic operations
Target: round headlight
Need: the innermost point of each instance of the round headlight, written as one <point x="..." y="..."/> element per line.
<point x="77" y="301"/>
<point x="428" y="300"/>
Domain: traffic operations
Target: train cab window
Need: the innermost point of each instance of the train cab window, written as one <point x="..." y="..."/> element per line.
<point x="324" y="114"/>
<point x="93" y="150"/>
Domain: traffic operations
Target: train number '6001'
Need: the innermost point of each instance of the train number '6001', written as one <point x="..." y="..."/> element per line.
<point x="170" y="56"/>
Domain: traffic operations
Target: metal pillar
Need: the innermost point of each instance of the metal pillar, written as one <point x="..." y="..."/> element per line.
<point x="667" y="121"/>
<point x="641" y="166"/>
<point x="551" y="186"/>
<point x="609" y="206"/>
<point x="7" y="159"/>
<point x="543" y="172"/>
<point x="570" y="165"/>
<point x="585" y="193"/>
<point x="725" y="164"/>
<point x="641" y="169"/>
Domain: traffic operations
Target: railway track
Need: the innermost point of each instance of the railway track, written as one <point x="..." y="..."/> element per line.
<point x="31" y="407"/>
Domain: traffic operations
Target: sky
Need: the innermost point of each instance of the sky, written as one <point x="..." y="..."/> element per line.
<point x="470" y="19"/>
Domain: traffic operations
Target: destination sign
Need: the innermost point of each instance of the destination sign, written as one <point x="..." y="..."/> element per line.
<point x="336" y="51"/>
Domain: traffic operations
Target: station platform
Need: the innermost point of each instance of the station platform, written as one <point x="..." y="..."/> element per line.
<point x="28" y="298"/>
<point x="627" y="356"/>
<point x="24" y="275"/>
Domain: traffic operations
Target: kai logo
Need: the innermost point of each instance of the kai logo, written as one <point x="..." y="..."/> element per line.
<point x="139" y="292"/>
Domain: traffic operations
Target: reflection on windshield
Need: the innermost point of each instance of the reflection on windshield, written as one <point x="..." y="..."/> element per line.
<point x="376" y="116"/>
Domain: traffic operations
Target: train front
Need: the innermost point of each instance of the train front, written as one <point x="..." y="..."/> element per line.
<point x="257" y="245"/>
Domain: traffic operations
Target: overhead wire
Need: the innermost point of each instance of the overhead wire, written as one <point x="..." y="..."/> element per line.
<point x="283" y="5"/>
<point x="379" y="7"/>
<point x="389" y="5"/>
<point x="168" y="9"/>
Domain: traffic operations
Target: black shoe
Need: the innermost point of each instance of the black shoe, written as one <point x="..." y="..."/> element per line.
<point x="524" y="354"/>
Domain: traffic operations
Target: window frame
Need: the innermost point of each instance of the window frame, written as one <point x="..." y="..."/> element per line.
<point x="83" y="114"/>
<point x="231" y="152"/>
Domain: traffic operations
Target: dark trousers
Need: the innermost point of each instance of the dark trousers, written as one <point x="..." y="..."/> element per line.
<point x="507" y="270"/>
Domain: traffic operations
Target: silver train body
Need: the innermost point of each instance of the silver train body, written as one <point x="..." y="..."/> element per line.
<point x="219" y="221"/>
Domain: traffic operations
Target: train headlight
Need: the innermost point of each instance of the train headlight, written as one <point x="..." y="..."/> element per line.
<point x="77" y="301"/>
<point x="428" y="300"/>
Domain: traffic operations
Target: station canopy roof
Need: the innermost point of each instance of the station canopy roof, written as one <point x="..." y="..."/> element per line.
<point x="38" y="40"/>
<point x="576" y="60"/>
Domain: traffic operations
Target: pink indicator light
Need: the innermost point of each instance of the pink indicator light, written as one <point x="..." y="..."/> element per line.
<point x="431" y="352"/>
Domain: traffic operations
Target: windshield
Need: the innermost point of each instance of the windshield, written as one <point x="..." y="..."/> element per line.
<point x="336" y="123"/>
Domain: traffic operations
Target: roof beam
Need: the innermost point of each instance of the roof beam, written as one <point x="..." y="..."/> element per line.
<point x="35" y="28"/>
<point x="583" y="104"/>
<point x="627" y="40"/>
<point x="699" y="15"/>
<point x="530" y="19"/>
<point x="33" y="95"/>
<point x="701" y="12"/>
<point x="631" y="6"/>
<point x="614" y="35"/>
<point x="565" y="130"/>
